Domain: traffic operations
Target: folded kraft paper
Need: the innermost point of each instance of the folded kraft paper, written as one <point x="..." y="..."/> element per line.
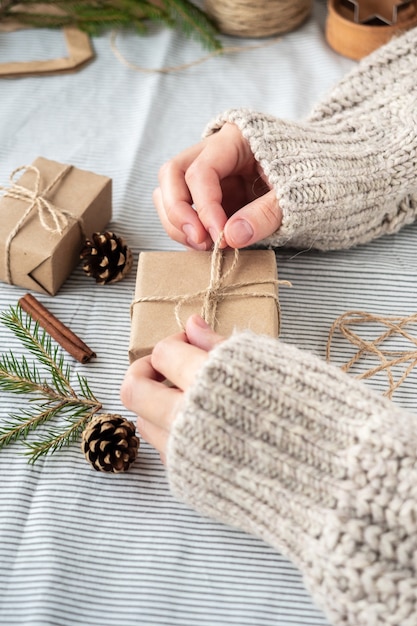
<point x="241" y="293"/>
<point x="45" y="216"/>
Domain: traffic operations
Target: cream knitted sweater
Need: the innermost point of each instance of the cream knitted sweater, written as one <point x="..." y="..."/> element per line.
<point x="273" y="440"/>
<point x="348" y="173"/>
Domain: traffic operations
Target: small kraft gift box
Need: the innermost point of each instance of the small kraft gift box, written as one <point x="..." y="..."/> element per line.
<point x="45" y="216"/>
<point x="232" y="290"/>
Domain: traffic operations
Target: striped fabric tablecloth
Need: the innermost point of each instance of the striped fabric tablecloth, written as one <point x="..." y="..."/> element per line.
<point x="81" y="547"/>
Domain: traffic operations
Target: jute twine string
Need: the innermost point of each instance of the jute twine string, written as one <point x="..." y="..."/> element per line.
<point x="257" y="18"/>
<point x="52" y="218"/>
<point x="183" y="66"/>
<point x="216" y="290"/>
<point x="389" y="359"/>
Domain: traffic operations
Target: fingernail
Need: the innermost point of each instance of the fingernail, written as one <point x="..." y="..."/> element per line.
<point x="240" y="232"/>
<point x="198" y="321"/>
<point x="213" y="234"/>
<point x="196" y="246"/>
<point x="190" y="232"/>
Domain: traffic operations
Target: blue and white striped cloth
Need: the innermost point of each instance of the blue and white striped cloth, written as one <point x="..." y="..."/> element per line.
<point x="81" y="547"/>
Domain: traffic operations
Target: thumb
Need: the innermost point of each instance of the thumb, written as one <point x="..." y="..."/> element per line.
<point x="200" y="334"/>
<point x="253" y="222"/>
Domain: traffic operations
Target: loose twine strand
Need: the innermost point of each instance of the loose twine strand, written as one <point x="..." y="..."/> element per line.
<point x="183" y="66"/>
<point x="216" y="290"/>
<point x="241" y="18"/>
<point x="52" y="218"/>
<point x="388" y="358"/>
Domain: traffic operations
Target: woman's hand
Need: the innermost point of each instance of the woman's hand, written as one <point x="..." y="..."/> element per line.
<point x="177" y="359"/>
<point x="213" y="186"/>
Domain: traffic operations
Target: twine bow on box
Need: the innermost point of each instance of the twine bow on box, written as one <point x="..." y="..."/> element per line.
<point x="216" y="290"/>
<point x="52" y="218"/>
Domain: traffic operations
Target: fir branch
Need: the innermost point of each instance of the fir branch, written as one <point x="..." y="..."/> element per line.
<point x="19" y="425"/>
<point x="193" y="22"/>
<point x="94" y="16"/>
<point x="17" y="376"/>
<point x="50" y="398"/>
<point x="85" y="390"/>
<point x="56" y="439"/>
<point x="40" y="344"/>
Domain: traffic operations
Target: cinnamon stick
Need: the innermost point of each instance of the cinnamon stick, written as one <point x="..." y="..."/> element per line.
<point x="58" y="331"/>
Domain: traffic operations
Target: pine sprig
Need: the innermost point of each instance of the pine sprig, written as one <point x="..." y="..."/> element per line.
<point x="40" y="344"/>
<point x="18" y="375"/>
<point x="193" y="22"/>
<point x="94" y="16"/>
<point x="52" y="398"/>
<point x="57" y="438"/>
<point x="19" y="425"/>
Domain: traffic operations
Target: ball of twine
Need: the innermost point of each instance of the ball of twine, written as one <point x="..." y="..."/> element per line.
<point x="256" y="18"/>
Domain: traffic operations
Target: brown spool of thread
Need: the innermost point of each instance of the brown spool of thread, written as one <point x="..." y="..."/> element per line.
<point x="252" y="18"/>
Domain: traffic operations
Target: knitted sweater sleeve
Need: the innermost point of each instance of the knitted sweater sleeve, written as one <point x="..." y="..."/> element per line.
<point x="276" y="442"/>
<point x="348" y="173"/>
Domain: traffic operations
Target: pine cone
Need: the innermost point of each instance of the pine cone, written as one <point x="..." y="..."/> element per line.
<point x="109" y="443"/>
<point x="106" y="258"/>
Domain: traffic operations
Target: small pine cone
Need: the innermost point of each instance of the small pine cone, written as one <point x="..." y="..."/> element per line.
<point x="109" y="443"/>
<point x="106" y="258"/>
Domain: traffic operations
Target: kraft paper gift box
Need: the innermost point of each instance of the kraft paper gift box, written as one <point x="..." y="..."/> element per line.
<point x="45" y="216"/>
<point x="247" y="299"/>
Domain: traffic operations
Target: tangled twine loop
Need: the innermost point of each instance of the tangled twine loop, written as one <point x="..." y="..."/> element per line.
<point x="389" y="359"/>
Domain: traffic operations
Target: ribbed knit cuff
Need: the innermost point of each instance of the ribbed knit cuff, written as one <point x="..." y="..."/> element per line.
<point x="274" y="441"/>
<point x="261" y="426"/>
<point x="347" y="174"/>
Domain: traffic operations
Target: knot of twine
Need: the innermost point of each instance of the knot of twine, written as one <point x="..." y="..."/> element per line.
<point x="389" y="359"/>
<point x="216" y="290"/>
<point x="52" y="218"/>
